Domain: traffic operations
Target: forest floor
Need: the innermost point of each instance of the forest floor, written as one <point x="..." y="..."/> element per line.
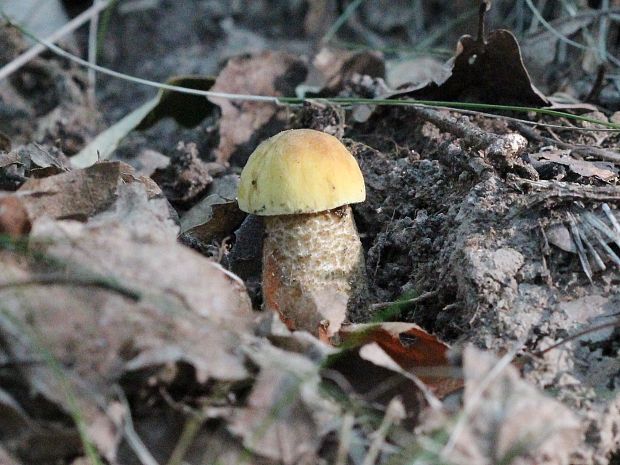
<point x="131" y="329"/>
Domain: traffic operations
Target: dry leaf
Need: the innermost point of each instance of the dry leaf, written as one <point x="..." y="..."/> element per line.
<point x="244" y="124"/>
<point x="339" y="66"/>
<point x="410" y="348"/>
<point x="124" y="309"/>
<point x="509" y="420"/>
<point x="77" y="194"/>
<point x="600" y="170"/>
<point x="286" y="417"/>
<point x="215" y="216"/>
<point x="187" y="177"/>
<point x="14" y="219"/>
<point x="484" y="71"/>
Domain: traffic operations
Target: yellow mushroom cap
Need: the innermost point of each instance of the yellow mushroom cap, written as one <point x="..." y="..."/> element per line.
<point x="300" y="171"/>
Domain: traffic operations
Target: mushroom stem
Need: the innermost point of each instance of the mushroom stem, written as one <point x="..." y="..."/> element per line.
<point x="313" y="267"/>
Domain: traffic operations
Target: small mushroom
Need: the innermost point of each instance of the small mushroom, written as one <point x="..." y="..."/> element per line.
<point x="302" y="182"/>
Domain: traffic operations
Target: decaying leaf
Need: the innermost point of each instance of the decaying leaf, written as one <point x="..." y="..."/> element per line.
<point x="286" y="417"/>
<point x="486" y="70"/>
<point x="75" y="194"/>
<point x="32" y="160"/>
<point x="217" y="215"/>
<point x="14" y="220"/>
<point x="244" y="124"/>
<point x="186" y="109"/>
<point x="80" y="194"/>
<point x="407" y="343"/>
<point x="410" y="348"/>
<point x="339" y="66"/>
<point x="508" y="420"/>
<point x="99" y="303"/>
<point x="600" y="170"/>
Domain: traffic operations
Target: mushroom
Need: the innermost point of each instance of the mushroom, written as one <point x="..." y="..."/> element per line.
<point x="301" y="182"/>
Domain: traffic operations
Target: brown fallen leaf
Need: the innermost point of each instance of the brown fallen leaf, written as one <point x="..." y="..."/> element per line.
<point x="217" y="215"/>
<point x="505" y="419"/>
<point x="76" y="194"/>
<point x="286" y="417"/>
<point x="96" y="305"/>
<point x="486" y="70"/>
<point x="14" y="220"/>
<point x="338" y="67"/>
<point x="32" y="160"/>
<point x="600" y="170"/>
<point x="410" y="347"/>
<point x="244" y="124"/>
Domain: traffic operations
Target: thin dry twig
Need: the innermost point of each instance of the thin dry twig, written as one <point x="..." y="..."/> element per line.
<point x="345" y="437"/>
<point x="502" y="151"/>
<point x="558" y="191"/>
<point x="477" y="396"/>
<point x="584" y="150"/>
<point x="130" y="434"/>
<point x="414" y="300"/>
<point x="394" y="413"/>
<point x="592" y="329"/>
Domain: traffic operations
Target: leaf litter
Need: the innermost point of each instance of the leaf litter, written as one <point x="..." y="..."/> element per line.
<point x="116" y="338"/>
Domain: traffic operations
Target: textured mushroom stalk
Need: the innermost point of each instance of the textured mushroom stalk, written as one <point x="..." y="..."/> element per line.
<point x="313" y="267"/>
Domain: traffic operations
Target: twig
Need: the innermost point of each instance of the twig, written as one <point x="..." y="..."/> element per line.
<point x="395" y="412"/>
<point x="592" y="329"/>
<point x="584" y="150"/>
<point x="132" y="438"/>
<point x="500" y="150"/>
<point x="53" y="280"/>
<point x="562" y="191"/>
<point x="464" y="107"/>
<point x="345" y="436"/>
<point x="414" y="300"/>
<point x="611" y="217"/>
<point x="476" y="397"/>
<point x="190" y="430"/>
<point x="581" y="252"/>
<point x="37" y="49"/>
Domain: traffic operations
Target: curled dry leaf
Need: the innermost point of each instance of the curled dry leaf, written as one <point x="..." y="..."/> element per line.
<point x="603" y="171"/>
<point x="409" y="347"/>
<point x="76" y="194"/>
<point x="339" y="66"/>
<point x="217" y="215"/>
